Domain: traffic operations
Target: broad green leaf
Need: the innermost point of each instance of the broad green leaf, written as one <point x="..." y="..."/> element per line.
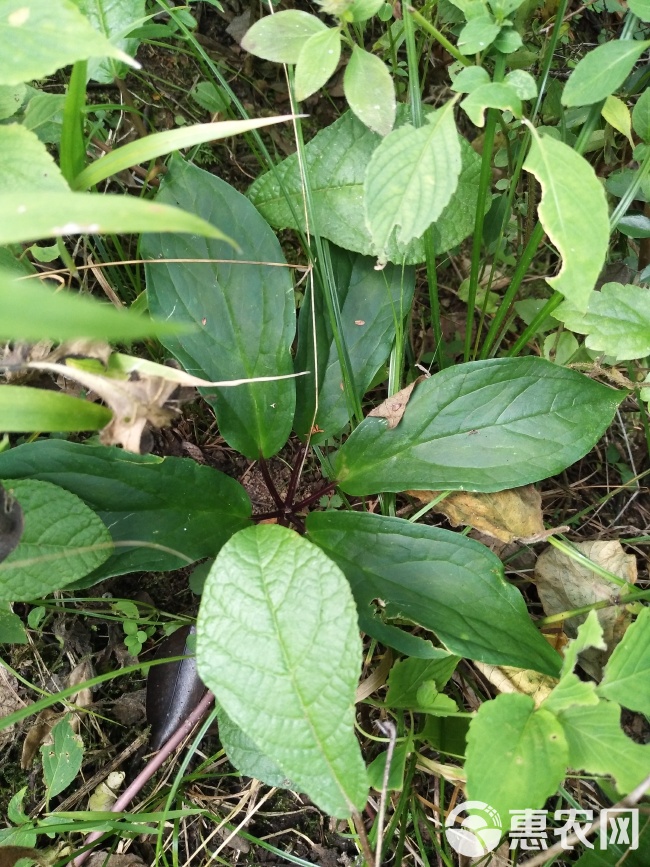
<point x="279" y="646"/>
<point x="369" y="90"/>
<point x="31" y="310"/>
<point x="247" y="758"/>
<point x="602" y="71"/>
<point x="408" y="676"/>
<point x="114" y="19"/>
<point x="508" y="41"/>
<point x="411" y="178"/>
<point x="590" y="634"/>
<point x="440" y="580"/>
<point x="618" y="183"/>
<point x="516" y="755"/>
<point x="211" y="97"/>
<point x="377" y="768"/>
<point x="617" y="115"/>
<point x="495" y="95"/>
<point x="571" y="691"/>
<point x="280" y="37"/>
<point x="62" y="541"/>
<point x="478" y="34"/>
<point x="597" y="744"/>
<point x="12" y="630"/>
<point x="627" y="674"/>
<point x="244" y="313"/>
<point x="61" y="759"/>
<point x="361" y="10"/>
<point x="170" y="502"/>
<point x="40" y="36"/>
<point x="44" y="115"/>
<point x="634" y="226"/>
<point x="482" y="426"/>
<point x="11" y="98"/>
<point x="371" y="302"/>
<point x="523" y="83"/>
<point x="29" y="216"/>
<point x="469" y="78"/>
<point x="24" y="409"/>
<point x="617" y="321"/>
<point x="317" y="62"/>
<point x="641" y="8"/>
<point x="160" y="143"/>
<point x="336" y="162"/>
<point x="25" y="163"/>
<point x="641" y="115"/>
<point x="574" y="213"/>
<point x="502" y="8"/>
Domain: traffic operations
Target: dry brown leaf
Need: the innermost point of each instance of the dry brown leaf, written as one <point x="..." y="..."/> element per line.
<point x="10" y="855"/>
<point x="564" y="584"/>
<point x="504" y="515"/>
<point x="10" y="701"/>
<point x="392" y="409"/>
<point x="103" y="859"/>
<point x="518" y="680"/>
<point x="38" y="734"/>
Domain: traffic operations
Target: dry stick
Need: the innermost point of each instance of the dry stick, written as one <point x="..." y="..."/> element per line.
<point x="561" y="846"/>
<point x="197" y="715"/>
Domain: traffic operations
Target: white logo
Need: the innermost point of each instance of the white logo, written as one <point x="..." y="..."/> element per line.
<point x="479" y="832"/>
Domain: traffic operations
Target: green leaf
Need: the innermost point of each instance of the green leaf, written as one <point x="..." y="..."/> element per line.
<point x="369" y="90"/>
<point x="31" y="310"/>
<point x="317" y="62"/>
<point x="482" y="426"/>
<point x="574" y="214"/>
<point x="170" y="502"/>
<point x="602" y="71"/>
<point x="377" y="768"/>
<point x="634" y="226"/>
<point x="641" y="115"/>
<point x="244" y="313"/>
<point x="24" y="409"/>
<point x="470" y="78"/>
<point x="11" y="98"/>
<point x="280" y="37"/>
<point x="410" y="180"/>
<point x="279" y="646"/>
<point x="148" y="148"/>
<point x="211" y="97"/>
<point x="12" y="630"/>
<point x="62" y="541"/>
<point x="571" y="691"/>
<point x="371" y="302"/>
<point x="516" y="755"/>
<point x="408" y="676"/>
<point x="626" y="678"/>
<point x="478" y="34"/>
<point x="495" y="95"/>
<point x="29" y="216"/>
<point x="590" y="634"/>
<point x="641" y="8"/>
<point x="597" y="744"/>
<point x="440" y="580"/>
<point x="336" y="161"/>
<point x="114" y="19"/>
<point x="62" y="759"/>
<point x="523" y="83"/>
<point x="41" y="36"/>
<point x="25" y="163"/>
<point x="508" y="41"/>
<point x="617" y="321"/>
<point x="362" y="10"/>
<point x="617" y="115"/>
<point x="44" y="115"/>
<point x="247" y="758"/>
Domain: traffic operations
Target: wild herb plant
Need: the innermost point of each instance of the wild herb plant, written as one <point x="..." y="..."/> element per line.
<point x="390" y="185"/>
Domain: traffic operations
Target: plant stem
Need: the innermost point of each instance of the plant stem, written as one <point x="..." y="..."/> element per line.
<point x="428" y="27"/>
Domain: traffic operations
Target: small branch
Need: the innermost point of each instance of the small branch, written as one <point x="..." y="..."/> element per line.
<point x="273" y="491"/>
<point x="326" y="489"/>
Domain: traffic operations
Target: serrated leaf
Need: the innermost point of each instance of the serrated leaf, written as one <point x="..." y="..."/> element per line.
<point x="114" y="19"/>
<point x="478" y="34"/>
<point x="280" y="37"/>
<point x="30" y="216"/>
<point x="317" y="62"/>
<point x="482" y="426"/>
<point x="516" y="755"/>
<point x="597" y="744"/>
<point x="62" y="541"/>
<point x="371" y="302"/>
<point x="369" y="90"/>
<point x="602" y="71"/>
<point x="62" y="759"/>
<point x="170" y="502"/>
<point x="41" y="36"/>
<point x="574" y="213"/>
<point x="626" y="678"/>
<point x="495" y="95"/>
<point x="336" y="161"/>
<point x="25" y="163"/>
<point x="278" y="644"/>
<point x="617" y="321"/>
<point x="24" y="409"/>
<point x="641" y="114"/>
<point x="440" y="580"/>
<point x="234" y="306"/>
<point x="410" y="180"/>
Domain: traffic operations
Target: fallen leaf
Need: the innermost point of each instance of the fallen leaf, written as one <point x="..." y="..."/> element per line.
<point x="10" y="701"/>
<point x="564" y="584"/>
<point x="103" y="859"/>
<point x="105" y="795"/>
<point x="11" y="523"/>
<point x="38" y="734"/>
<point x="518" y="680"/>
<point x="504" y="515"/>
<point x="10" y="855"/>
<point x="392" y="409"/>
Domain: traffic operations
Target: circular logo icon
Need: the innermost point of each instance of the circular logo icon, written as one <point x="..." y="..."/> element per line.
<point x="478" y="833"/>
